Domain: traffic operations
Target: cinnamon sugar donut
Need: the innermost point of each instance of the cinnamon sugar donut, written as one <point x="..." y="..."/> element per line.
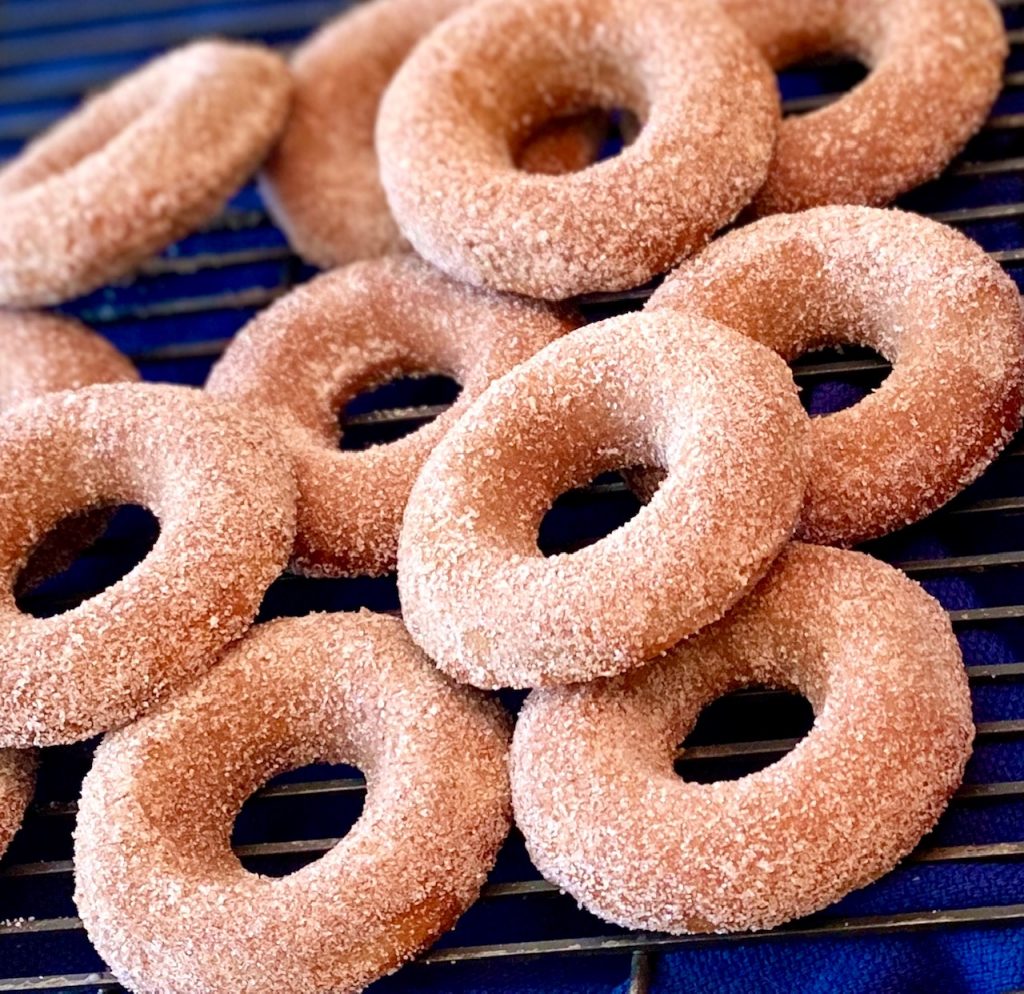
<point x="166" y="902"/>
<point x="342" y="333"/>
<point x="925" y="297"/>
<point x="645" y="389"/>
<point x="322" y="183"/>
<point x="936" y="68"/>
<point x="224" y="494"/>
<point x="43" y="353"/>
<point x="17" y="782"/>
<point x="136" y="168"/>
<point x="492" y="73"/>
<point x="606" y="817"/>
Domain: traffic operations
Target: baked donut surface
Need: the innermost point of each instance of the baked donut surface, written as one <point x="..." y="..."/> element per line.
<point x="17" y="782"/>
<point x="136" y="168"/>
<point x="607" y="818"/>
<point x="935" y="70"/>
<point x="44" y="353"/>
<point x="660" y="389"/>
<point x="165" y="900"/>
<point x="493" y="73"/>
<point x="223" y="492"/>
<point x="351" y="329"/>
<point x="924" y="296"/>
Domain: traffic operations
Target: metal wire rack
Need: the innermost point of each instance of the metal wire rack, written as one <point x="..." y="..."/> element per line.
<point x="177" y="317"/>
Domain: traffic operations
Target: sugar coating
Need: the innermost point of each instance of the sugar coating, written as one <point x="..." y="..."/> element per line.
<point x="661" y="389"/>
<point x="493" y="73"/>
<point x="44" y="353"/>
<point x="302" y="359"/>
<point x="136" y="168"/>
<point x="168" y="905"/>
<point x="936" y="68"/>
<point x="17" y="782"/>
<point x="224" y="493"/>
<point x="322" y="182"/>
<point x="924" y="296"/>
<point x="606" y="818"/>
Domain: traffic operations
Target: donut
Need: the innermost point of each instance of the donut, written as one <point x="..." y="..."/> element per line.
<point x="925" y="297"/>
<point x="495" y="72"/>
<point x="935" y="70"/>
<point x="166" y="902"/>
<point x="606" y="817"/>
<point x="322" y="184"/>
<point x="17" y="782"/>
<point x="304" y="358"/>
<point x="136" y="168"/>
<point x="224" y="494"/>
<point x="661" y="389"/>
<point x="44" y="353"/>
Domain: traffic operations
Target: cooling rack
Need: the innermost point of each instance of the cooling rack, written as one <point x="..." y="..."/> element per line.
<point x="177" y="316"/>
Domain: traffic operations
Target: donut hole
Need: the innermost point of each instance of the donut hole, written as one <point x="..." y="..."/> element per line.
<point x="743" y="732"/>
<point x="387" y="411"/>
<point x="82" y="556"/>
<point x="813" y="82"/>
<point x="568" y="143"/>
<point x="833" y="379"/>
<point x="272" y="831"/>
<point x="584" y="515"/>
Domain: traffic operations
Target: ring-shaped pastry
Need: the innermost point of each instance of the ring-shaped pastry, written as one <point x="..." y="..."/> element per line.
<point x="347" y="331"/>
<point x="168" y="904"/>
<point x="935" y="70"/>
<point x="607" y="818"/>
<point x="136" y="168"/>
<point x="487" y="77"/>
<point x="44" y="353"/>
<point x="717" y="411"/>
<point x="224" y="494"/>
<point x="322" y="181"/>
<point x="921" y="294"/>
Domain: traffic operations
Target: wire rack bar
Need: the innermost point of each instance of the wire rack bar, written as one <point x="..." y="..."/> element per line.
<point x="640" y="973"/>
<point x="915" y="921"/>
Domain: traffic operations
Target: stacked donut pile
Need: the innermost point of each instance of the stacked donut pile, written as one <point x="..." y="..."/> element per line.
<point x="466" y="132"/>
